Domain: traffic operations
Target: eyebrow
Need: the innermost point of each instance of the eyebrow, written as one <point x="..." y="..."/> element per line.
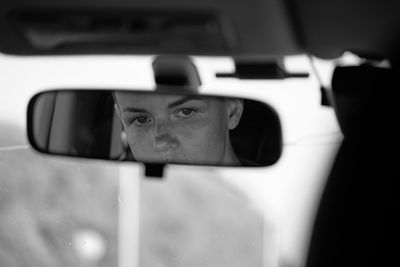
<point x="170" y="105"/>
<point x="184" y="100"/>
<point x="134" y="110"/>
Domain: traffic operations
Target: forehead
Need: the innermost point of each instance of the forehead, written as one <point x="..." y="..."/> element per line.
<point x="144" y="100"/>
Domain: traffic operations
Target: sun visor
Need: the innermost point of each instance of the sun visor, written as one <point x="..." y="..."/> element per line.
<point x="58" y="27"/>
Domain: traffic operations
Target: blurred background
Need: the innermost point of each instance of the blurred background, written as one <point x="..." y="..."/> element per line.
<point x="58" y="211"/>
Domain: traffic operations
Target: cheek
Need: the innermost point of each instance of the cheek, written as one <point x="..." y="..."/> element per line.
<point x="191" y="128"/>
<point x="202" y="133"/>
<point x="139" y="140"/>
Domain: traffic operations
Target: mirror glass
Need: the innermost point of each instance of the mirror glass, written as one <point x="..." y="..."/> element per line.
<point x="154" y="127"/>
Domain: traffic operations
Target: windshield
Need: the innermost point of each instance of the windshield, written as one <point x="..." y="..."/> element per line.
<point x="57" y="211"/>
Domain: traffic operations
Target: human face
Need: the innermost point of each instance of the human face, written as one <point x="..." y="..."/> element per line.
<point x="180" y="129"/>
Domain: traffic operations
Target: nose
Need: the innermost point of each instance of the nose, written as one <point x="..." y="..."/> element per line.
<point x="164" y="139"/>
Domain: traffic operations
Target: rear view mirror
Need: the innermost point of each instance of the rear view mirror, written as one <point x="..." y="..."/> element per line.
<point x="154" y="127"/>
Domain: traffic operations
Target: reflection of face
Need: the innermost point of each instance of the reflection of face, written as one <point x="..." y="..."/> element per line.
<point x="185" y="129"/>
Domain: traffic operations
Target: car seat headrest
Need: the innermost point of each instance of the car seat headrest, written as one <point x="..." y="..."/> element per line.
<point x="364" y="99"/>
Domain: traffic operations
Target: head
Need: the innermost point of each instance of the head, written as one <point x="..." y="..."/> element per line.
<point x="178" y="128"/>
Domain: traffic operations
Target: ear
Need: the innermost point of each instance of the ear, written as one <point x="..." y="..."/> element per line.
<point x="117" y="110"/>
<point x="234" y="111"/>
<point x="116" y="106"/>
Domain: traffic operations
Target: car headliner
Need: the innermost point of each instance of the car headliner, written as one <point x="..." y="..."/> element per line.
<point x="252" y="28"/>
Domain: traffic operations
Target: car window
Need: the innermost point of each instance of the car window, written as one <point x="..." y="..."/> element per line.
<point x="57" y="211"/>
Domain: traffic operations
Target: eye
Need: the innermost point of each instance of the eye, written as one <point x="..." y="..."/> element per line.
<point x="185" y="112"/>
<point x="140" y="120"/>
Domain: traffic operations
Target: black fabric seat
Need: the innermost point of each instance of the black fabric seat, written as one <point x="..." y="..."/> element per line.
<point x="357" y="220"/>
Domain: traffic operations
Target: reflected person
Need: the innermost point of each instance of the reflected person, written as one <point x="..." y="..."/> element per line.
<point x="179" y="129"/>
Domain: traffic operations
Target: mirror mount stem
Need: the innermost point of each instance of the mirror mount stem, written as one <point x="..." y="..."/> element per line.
<point x="154" y="170"/>
<point x="175" y="74"/>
